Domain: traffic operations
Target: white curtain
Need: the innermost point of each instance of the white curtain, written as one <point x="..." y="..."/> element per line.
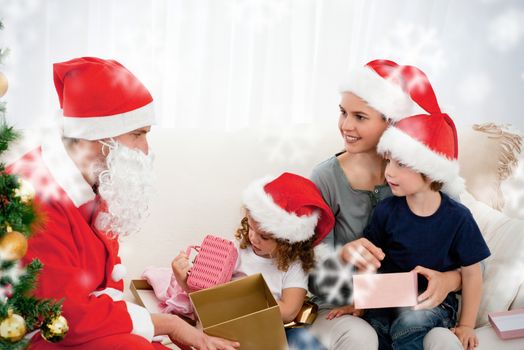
<point x="230" y="64"/>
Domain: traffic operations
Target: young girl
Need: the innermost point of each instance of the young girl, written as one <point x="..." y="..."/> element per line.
<point x="285" y="217"/>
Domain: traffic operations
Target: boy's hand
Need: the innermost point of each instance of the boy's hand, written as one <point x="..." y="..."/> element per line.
<point x="344" y="310"/>
<point x="180" y="267"/>
<point x="363" y="254"/>
<point x="436" y="291"/>
<point x="467" y="337"/>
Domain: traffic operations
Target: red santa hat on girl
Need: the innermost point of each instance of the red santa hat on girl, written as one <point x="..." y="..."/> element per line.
<point x="100" y="98"/>
<point x="290" y="207"/>
<point x="394" y="90"/>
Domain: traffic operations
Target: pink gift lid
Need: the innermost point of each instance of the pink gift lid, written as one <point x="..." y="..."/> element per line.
<point x="385" y="290"/>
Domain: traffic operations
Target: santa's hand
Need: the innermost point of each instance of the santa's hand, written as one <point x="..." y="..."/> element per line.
<point x="181" y="332"/>
<point x="363" y="254"/>
<point x="213" y="343"/>
<point x="180" y="267"/>
<point x="437" y="289"/>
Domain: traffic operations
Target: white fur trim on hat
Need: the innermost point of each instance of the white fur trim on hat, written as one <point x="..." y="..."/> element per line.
<point x="96" y="128"/>
<point x="422" y="159"/>
<point x="275" y="220"/>
<point x="382" y="94"/>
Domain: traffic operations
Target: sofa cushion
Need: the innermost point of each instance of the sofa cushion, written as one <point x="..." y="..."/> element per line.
<point x="488" y="340"/>
<point x="504" y="273"/>
<point x="518" y="302"/>
<point x="513" y="190"/>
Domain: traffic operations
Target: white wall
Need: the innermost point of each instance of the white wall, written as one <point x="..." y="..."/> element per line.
<point x="230" y="64"/>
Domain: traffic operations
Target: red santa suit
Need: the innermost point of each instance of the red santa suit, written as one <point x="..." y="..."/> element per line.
<point x="99" y="99"/>
<point x="81" y="264"/>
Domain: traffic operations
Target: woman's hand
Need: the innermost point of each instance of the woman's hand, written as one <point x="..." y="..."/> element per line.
<point x="363" y="254"/>
<point x="440" y="284"/>
<point x="180" y="267"/>
<point x="467" y="337"/>
<point x="344" y="310"/>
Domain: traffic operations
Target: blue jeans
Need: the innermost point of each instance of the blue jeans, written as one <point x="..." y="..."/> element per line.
<point x="405" y="328"/>
<point x="302" y="339"/>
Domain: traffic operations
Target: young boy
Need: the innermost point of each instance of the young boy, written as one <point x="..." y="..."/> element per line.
<point x="422" y="226"/>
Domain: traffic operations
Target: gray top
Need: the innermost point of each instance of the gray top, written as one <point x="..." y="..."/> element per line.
<point x="352" y="208"/>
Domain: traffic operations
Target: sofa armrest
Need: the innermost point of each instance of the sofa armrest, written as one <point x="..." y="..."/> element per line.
<point x="503" y="276"/>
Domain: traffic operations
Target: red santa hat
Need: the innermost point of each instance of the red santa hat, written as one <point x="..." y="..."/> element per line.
<point x="100" y="98"/>
<point x="394" y="90"/>
<point x="290" y="207"/>
<point x="427" y="144"/>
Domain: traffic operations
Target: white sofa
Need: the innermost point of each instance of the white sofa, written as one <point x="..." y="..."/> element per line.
<point x="201" y="175"/>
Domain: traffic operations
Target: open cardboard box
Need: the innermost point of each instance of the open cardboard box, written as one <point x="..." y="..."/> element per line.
<point x="243" y="310"/>
<point x="145" y="297"/>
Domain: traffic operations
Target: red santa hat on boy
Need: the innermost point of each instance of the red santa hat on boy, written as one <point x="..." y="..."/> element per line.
<point x="100" y="98"/>
<point x="290" y="207"/>
<point x="394" y="90"/>
<point x="426" y="142"/>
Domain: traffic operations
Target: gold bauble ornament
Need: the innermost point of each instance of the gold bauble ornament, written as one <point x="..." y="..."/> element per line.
<point x="13" y="246"/>
<point x="12" y="328"/>
<point x="3" y="84"/>
<point x="54" y="329"/>
<point x="25" y="191"/>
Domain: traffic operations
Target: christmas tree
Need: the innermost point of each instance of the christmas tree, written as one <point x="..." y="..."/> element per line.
<point x="20" y="312"/>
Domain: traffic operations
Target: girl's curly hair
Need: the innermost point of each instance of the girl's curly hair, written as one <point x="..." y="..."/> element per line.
<point x="285" y="253"/>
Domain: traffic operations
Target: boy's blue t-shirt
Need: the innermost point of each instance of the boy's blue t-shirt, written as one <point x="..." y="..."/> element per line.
<point x="444" y="241"/>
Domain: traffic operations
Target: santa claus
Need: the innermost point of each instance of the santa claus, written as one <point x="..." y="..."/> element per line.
<point x="93" y="180"/>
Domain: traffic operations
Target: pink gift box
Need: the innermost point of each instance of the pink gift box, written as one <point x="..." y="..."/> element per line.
<point x="508" y="324"/>
<point x="371" y="291"/>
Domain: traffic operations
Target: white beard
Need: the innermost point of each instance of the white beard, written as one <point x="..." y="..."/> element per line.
<point x="126" y="185"/>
